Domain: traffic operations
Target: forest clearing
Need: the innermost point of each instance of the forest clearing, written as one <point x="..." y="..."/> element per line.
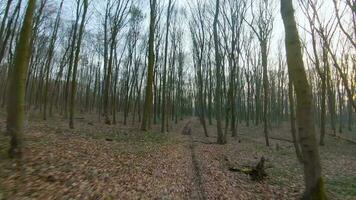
<point x="178" y="99"/>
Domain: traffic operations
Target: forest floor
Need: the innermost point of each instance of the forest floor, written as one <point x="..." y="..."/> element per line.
<point x="97" y="161"/>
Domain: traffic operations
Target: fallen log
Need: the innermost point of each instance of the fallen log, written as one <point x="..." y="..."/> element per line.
<point x="343" y="138"/>
<point x="338" y="136"/>
<point x="203" y="142"/>
<point x="281" y="139"/>
<point x="257" y="173"/>
<point x="348" y="140"/>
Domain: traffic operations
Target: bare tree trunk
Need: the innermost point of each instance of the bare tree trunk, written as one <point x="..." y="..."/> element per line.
<point x="50" y="58"/>
<point x="221" y="138"/>
<point x="76" y="62"/>
<point x="10" y="34"/>
<point x="314" y="185"/>
<point x="164" y="96"/>
<point x="16" y="93"/>
<point x="349" y="124"/>
<point x="322" y="75"/>
<point x="70" y="66"/>
<point x="330" y="91"/>
<point x="292" y="122"/>
<point x="151" y="62"/>
<point x="341" y="102"/>
<point x="265" y="89"/>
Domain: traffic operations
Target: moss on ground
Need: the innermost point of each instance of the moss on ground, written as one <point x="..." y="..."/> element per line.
<point x="4" y="146"/>
<point x="343" y="187"/>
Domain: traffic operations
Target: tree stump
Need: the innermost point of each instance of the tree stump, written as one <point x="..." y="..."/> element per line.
<point x="257" y="173"/>
<point x="187" y="130"/>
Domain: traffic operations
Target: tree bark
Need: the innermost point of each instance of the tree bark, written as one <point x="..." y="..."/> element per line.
<point x="16" y="93"/>
<point x="292" y="122"/>
<point x="164" y="106"/>
<point x="75" y="66"/>
<point x="50" y="58"/>
<point x="221" y="138"/>
<point x="314" y="186"/>
<point x="151" y="62"/>
<point x="265" y="89"/>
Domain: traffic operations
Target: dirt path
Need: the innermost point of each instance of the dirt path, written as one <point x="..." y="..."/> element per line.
<point x="198" y="191"/>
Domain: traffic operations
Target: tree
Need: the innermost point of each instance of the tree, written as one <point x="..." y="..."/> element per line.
<point x="151" y="62"/>
<point x="16" y="93"/>
<point x="197" y="29"/>
<point x="164" y="89"/>
<point x="233" y="16"/>
<point x="221" y="136"/>
<point x="50" y="58"/>
<point x="326" y="32"/>
<point x="5" y="32"/>
<point x="117" y="19"/>
<point x="8" y="37"/>
<point x="292" y="121"/>
<point x="262" y="27"/>
<point x="351" y="5"/>
<point x="76" y="61"/>
<point x="314" y="185"/>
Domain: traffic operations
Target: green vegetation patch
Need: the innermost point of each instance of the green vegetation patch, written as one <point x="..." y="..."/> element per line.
<point x="2" y="115"/>
<point x="4" y="146"/>
<point x="342" y="186"/>
<point x="2" y="194"/>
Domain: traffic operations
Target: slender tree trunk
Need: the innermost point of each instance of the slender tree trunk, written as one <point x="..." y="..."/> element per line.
<point x="233" y="102"/>
<point x="70" y="67"/>
<point x="150" y="75"/>
<point x="341" y="107"/>
<point x="314" y="185"/>
<point x="156" y="92"/>
<point x="323" y="111"/>
<point x="210" y="95"/>
<point x="75" y="66"/>
<point x="50" y="58"/>
<point x="4" y="18"/>
<point x="292" y="122"/>
<point x="221" y="138"/>
<point x="330" y="91"/>
<point x="9" y="31"/>
<point x="164" y="106"/>
<point x="16" y="93"/>
<point x="349" y="124"/>
<point x="107" y="83"/>
<point x="265" y="89"/>
<point x="322" y="75"/>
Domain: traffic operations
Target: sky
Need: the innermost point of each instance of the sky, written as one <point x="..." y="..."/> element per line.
<point x="97" y="8"/>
